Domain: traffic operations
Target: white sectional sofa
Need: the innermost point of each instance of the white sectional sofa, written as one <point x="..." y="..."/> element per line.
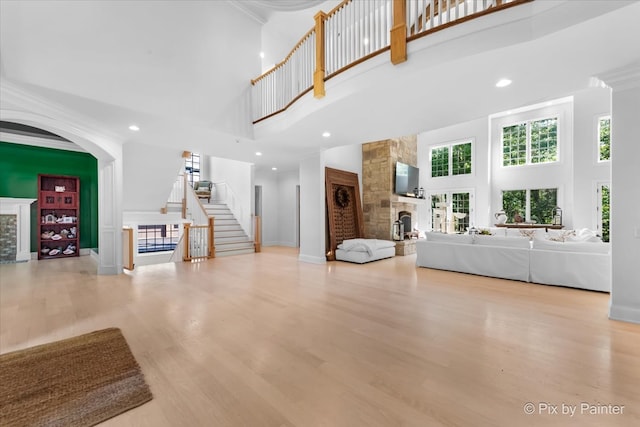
<point x="584" y="265"/>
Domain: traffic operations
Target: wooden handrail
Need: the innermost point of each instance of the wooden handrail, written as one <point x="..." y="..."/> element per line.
<point x="499" y="6"/>
<point x="337" y="8"/>
<point x="398" y="45"/>
<point x="286" y="58"/>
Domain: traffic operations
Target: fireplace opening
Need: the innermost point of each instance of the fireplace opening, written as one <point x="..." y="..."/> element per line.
<point x="405" y="218"/>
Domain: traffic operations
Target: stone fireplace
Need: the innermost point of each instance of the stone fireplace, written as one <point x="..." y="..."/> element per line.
<point x="381" y="207"/>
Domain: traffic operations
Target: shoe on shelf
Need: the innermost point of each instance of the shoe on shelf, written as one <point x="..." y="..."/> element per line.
<point x="54" y="252"/>
<point x="70" y="250"/>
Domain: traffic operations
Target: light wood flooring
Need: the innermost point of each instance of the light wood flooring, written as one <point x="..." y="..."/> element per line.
<point x="265" y="340"/>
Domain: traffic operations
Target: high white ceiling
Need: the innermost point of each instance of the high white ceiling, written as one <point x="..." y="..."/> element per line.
<point x="181" y="71"/>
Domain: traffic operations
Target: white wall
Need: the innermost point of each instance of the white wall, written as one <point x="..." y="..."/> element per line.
<point x="478" y="180"/>
<point x="238" y="177"/>
<point x="312" y="210"/>
<point x="150" y="172"/>
<point x="625" y="199"/>
<point x="268" y="180"/>
<point x="549" y="175"/>
<point x="287" y="206"/>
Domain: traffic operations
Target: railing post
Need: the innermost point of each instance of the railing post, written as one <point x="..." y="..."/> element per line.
<point x="127" y="248"/>
<point x="318" y="75"/>
<point x="399" y="32"/>
<point x="187" y="254"/>
<point x="212" y="246"/>
<point x="257" y="240"/>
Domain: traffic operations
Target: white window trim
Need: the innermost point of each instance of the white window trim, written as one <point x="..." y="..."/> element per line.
<point x="527" y="123"/>
<point x="450" y="145"/>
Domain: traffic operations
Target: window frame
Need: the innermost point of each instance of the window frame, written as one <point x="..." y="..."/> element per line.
<point x="527" y="203"/>
<point x="527" y="123"/>
<point x="449" y="197"/>
<point x="449" y="146"/>
<point x="190" y="170"/>
<point x="599" y="119"/>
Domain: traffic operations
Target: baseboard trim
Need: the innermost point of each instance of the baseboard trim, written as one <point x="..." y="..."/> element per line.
<point x="312" y="259"/>
<point x="625" y="314"/>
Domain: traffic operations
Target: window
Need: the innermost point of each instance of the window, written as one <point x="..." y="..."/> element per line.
<point x="532" y="205"/>
<point x="453" y="159"/>
<point x="604" y="138"/>
<point x="461" y="159"/>
<point x="514" y="145"/>
<point x="157" y="237"/>
<point x="531" y="142"/>
<point x="192" y="168"/>
<point x="451" y="211"/>
<point x="604" y="192"/>
<point x="439" y="161"/>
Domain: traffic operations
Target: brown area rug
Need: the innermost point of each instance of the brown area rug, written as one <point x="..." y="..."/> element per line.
<point x="79" y="381"/>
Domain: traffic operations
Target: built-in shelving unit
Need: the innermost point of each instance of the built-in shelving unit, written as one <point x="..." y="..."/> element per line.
<point x="59" y="216"/>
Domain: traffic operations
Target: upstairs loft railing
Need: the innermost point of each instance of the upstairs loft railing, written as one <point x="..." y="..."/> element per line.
<point x="351" y="33"/>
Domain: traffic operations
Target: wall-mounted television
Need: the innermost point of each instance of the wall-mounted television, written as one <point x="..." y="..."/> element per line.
<point x="407" y="179"/>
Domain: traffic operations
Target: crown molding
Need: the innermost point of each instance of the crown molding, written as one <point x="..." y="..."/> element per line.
<point x="623" y="78"/>
<point x="248" y="11"/>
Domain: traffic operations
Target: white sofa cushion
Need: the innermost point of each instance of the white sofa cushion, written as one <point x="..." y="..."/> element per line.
<point x="503" y="242"/>
<point x="449" y="238"/>
<point x="530" y="233"/>
<point x="584" y="235"/>
<point x="369" y="246"/>
<point x="584" y="247"/>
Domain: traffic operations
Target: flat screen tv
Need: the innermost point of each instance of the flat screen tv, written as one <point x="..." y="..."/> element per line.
<point x="407" y="179"/>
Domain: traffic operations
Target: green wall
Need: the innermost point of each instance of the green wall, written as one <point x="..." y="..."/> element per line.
<point x="19" y="169"/>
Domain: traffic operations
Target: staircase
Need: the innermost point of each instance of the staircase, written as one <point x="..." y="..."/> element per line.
<point x="229" y="238"/>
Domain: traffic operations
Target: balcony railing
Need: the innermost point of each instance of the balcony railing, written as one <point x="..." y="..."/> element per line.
<point x="351" y="33"/>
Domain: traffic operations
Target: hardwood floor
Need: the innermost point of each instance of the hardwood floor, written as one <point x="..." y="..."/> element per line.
<point x="264" y="340"/>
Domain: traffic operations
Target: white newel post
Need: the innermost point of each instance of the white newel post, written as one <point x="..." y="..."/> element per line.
<point x="625" y="192"/>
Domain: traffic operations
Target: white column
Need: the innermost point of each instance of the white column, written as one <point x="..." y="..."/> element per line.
<point x="312" y="210"/>
<point x="625" y="192"/>
<point x="110" y="217"/>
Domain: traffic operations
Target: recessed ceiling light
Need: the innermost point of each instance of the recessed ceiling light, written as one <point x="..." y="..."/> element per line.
<point x="503" y="83"/>
<point x="262" y="55"/>
<point x="274" y="169"/>
<point x="326" y="134"/>
<point x="258" y="153"/>
<point x="134" y="128"/>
